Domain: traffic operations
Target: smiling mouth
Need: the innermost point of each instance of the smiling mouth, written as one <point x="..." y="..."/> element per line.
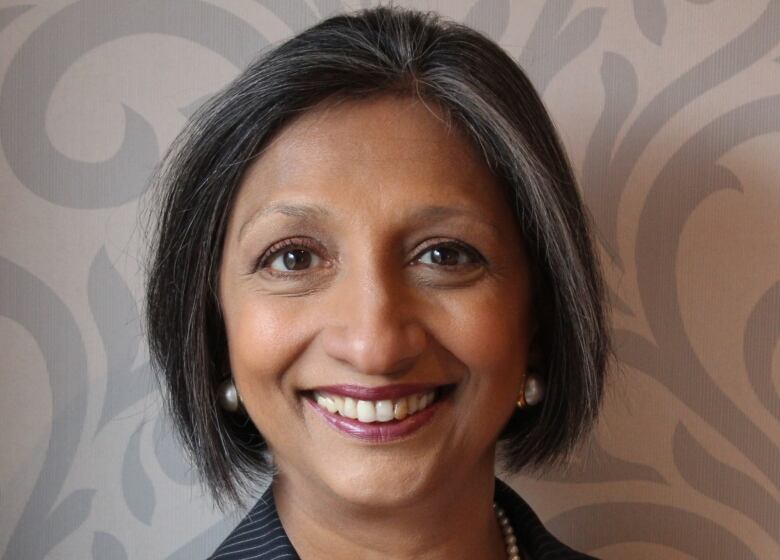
<point x="381" y="420"/>
<point x="380" y="410"/>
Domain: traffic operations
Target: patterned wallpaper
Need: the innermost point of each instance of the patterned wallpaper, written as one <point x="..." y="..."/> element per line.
<point x="671" y="112"/>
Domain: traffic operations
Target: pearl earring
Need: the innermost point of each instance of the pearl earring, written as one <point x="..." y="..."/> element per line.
<point x="229" y="398"/>
<point x="533" y="391"/>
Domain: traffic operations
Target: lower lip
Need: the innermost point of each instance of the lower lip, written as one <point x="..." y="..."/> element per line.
<point x="379" y="432"/>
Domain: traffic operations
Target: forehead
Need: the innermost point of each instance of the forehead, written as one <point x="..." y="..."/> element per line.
<point x="380" y="152"/>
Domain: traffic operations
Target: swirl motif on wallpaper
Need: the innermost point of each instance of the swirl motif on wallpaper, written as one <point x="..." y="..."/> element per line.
<point x="623" y="133"/>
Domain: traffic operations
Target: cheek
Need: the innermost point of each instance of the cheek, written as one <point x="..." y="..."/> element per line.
<point x="263" y="340"/>
<point x="489" y="333"/>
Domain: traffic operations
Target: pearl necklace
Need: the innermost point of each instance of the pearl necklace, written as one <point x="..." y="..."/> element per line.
<point x="513" y="552"/>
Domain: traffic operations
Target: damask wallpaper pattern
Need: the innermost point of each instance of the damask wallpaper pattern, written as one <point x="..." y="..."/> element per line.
<point x="671" y="112"/>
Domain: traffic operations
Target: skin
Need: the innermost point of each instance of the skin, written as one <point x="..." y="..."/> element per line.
<point x="372" y="307"/>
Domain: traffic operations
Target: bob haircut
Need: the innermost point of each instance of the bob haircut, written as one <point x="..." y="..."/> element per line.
<point x="484" y="94"/>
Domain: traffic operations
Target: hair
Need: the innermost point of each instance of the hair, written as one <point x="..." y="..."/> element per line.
<point x="385" y="50"/>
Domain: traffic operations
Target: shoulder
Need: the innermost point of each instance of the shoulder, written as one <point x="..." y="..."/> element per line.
<point x="259" y="536"/>
<point x="538" y="543"/>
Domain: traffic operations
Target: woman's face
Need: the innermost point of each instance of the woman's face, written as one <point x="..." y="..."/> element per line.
<point x="369" y="253"/>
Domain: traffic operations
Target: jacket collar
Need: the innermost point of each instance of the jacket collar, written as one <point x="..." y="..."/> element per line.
<point x="533" y="538"/>
<point x="260" y="535"/>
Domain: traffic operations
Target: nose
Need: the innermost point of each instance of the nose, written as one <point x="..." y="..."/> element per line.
<point x="373" y="323"/>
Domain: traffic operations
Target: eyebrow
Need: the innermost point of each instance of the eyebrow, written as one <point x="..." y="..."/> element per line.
<point x="300" y="211"/>
<point x="304" y="212"/>
<point x="442" y="213"/>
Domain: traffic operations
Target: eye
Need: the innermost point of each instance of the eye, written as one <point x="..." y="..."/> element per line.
<point x="450" y="255"/>
<point x="293" y="259"/>
<point x="290" y="256"/>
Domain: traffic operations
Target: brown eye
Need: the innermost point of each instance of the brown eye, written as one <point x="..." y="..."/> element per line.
<point x="294" y="259"/>
<point x="445" y="256"/>
<point x="448" y="255"/>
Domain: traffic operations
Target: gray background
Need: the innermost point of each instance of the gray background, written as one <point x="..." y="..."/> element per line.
<point x="671" y="112"/>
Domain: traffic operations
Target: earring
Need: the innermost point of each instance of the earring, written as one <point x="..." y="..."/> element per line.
<point x="229" y="398"/>
<point x="533" y="391"/>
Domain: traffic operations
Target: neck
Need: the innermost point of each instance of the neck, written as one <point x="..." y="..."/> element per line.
<point x="454" y="520"/>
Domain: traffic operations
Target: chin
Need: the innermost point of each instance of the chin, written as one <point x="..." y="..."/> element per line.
<point x="382" y="485"/>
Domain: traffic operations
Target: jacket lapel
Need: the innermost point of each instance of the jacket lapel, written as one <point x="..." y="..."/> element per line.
<point x="537" y="542"/>
<point x="259" y="536"/>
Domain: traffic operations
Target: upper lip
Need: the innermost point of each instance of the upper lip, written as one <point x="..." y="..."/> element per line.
<point x="386" y="392"/>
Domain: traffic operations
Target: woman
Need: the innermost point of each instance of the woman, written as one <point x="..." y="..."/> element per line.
<point x="372" y="269"/>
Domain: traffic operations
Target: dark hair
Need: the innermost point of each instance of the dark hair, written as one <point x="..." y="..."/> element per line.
<point x="385" y="50"/>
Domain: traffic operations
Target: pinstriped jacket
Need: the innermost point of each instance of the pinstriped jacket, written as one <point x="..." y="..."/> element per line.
<point x="260" y="535"/>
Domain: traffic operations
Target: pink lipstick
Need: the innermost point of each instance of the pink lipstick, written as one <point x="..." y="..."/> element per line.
<point x="377" y="432"/>
<point x="380" y="431"/>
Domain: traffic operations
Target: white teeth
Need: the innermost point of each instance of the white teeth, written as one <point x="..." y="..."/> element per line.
<point x="339" y="400"/>
<point x="374" y="411"/>
<point x="366" y="412"/>
<point x="327" y="402"/>
<point x="350" y="408"/>
<point x="384" y="411"/>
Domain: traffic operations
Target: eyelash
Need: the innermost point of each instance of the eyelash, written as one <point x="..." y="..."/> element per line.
<point x="292" y="243"/>
<point x="473" y="254"/>
<point x="309" y="244"/>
